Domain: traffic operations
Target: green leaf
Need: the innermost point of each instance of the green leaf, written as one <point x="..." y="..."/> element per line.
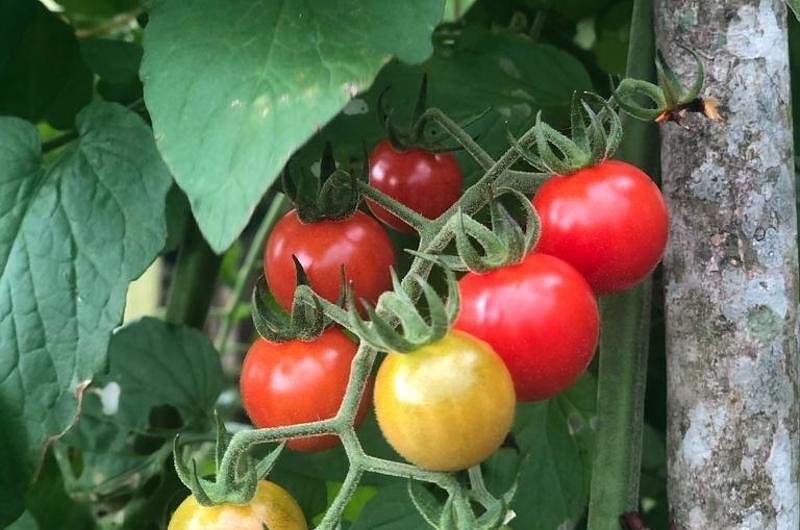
<point x="42" y="74"/>
<point x="555" y="439"/>
<point x="49" y="506"/>
<point x="794" y="5"/>
<point x="391" y="509"/>
<point x="74" y="233"/>
<point x="114" y="61"/>
<point x="234" y="88"/>
<point x="162" y="379"/>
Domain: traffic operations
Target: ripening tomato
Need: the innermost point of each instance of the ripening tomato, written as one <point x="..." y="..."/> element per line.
<point x="359" y="243"/>
<point x="298" y="382"/>
<point x="609" y="221"/>
<point x="428" y="183"/>
<point x="272" y="507"/>
<point x="446" y="406"/>
<point x="540" y="316"/>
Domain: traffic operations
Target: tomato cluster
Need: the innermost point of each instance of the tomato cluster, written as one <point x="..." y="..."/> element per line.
<point x="525" y="331"/>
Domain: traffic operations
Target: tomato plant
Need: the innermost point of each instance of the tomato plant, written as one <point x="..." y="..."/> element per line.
<point x="428" y="183"/>
<point x="608" y="221"/>
<point x="540" y="316"/>
<point x="148" y="155"/>
<point x="298" y="382"/>
<point x="358" y="244"/>
<point x="446" y="406"/>
<point x="272" y="507"/>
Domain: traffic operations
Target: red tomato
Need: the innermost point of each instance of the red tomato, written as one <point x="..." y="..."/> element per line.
<point x="428" y="183"/>
<point x="608" y="221"/>
<point x="298" y="382"/>
<point x="359" y="243"/>
<point x="540" y="316"/>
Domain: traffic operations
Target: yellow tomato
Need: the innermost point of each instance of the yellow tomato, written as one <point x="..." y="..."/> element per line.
<point x="272" y="506"/>
<point x="446" y="406"/>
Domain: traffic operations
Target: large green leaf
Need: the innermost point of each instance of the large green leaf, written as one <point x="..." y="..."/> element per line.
<point x="42" y="74"/>
<point x="74" y="232"/>
<point x="162" y="379"/>
<point x="234" y="88"/>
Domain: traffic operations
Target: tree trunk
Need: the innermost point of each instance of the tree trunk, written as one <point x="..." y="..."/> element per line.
<point x="731" y="273"/>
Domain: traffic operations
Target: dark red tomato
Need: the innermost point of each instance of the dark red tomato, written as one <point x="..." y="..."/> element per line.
<point x="540" y="316"/>
<point x="608" y="221"/>
<point x="298" y="382"/>
<point x="359" y="243"/>
<point x="428" y="183"/>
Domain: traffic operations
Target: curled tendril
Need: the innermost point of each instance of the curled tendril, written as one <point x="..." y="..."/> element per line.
<point x="417" y="331"/>
<point x="306" y="321"/>
<point x="235" y="488"/>
<point x="596" y="134"/>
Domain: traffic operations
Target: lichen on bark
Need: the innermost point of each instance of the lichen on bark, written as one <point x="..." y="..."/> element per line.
<point x="731" y="273"/>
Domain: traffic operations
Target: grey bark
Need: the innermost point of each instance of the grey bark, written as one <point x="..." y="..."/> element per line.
<point x="731" y="273"/>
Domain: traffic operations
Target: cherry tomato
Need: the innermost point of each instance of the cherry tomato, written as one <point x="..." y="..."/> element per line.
<point x="540" y="316"/>
<point x="446" y="406"/>
<point x="358" y="243"/>
<point x="609" y="221"/>
<point x="428" y="183"/>
<point x="272" y="507"/>
<point x="298" y="382"/>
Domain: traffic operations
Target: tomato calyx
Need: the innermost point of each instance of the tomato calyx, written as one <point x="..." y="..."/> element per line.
<point x="227" y="488"/>
<point x="417" y="331"/>
<point x="670" y="100"/>
<point x="418" y="134"/>
<point x="595" y="136"/>
<point x="480" y="249"/>
<point x="307" y="319"/>
<point x="334" y="195"/>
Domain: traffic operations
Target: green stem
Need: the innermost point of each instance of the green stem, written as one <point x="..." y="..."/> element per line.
<point x="479" y="490"/>
<point x="395" y="207"/>
<point x="253" y="252"/>
<point x="193" y="281"/>
<point x="625" y="319"/>
<point x="59" y="141"/>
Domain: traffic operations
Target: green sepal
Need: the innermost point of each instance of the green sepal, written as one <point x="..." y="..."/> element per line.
<point x="669" y="98"/>
<point x="413" y="330"/>
<point x="629" y="91"/>
<point x="333" y="195"/>
<point x="595" y="137"/>
<point x="493" y="252"/>
<point x="306" y="321"/>
<point x="264" y="466"/>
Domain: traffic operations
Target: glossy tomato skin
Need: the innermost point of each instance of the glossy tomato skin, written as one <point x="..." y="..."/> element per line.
<point x="428" y="183"/>
<point x="540" y="316"/>
<point x="609" y="221"/>
<point x="448" y="405"/>
<point x="298" y="382"/>
<point x="272" y="506"/>
<point x="359" y="243"/>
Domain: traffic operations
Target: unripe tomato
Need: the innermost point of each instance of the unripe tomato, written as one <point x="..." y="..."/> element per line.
<point x="540" y="316"/>
<point x="446" y="406"/>
<point x="428" y="183"/>
<point x="298" y="382"/>
<point x="609" y="221"/>
<point x="359" y="243"/>
<point x="272" y="507"/>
